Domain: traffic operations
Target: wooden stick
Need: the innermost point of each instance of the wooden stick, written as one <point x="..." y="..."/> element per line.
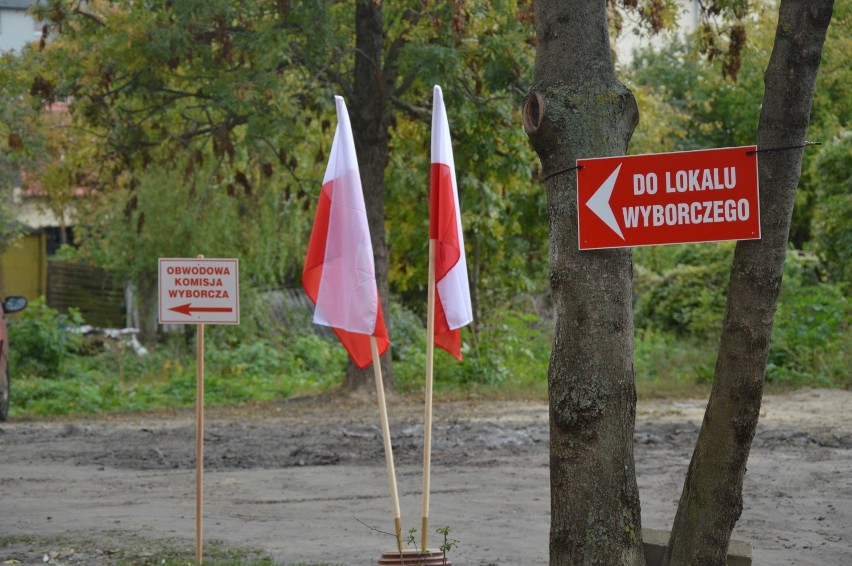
<point x="199" y="442"/>
<point x="427" y="421"/>
<point x="383" y="414"/>
<point x="199" y="439"/>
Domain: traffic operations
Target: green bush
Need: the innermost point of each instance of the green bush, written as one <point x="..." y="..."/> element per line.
<point x="41" y="341"/>
<point x="810" y="341"/>
<point x="264" y="369"/>
<point x="510" y="349"/>
<point x="831" y="174"/>
<point x="668" y="362"/>
<point x="679" y="314"/>
<point x="511" y="346"/>
<point x="685" y="289"/>
<point x="121" y="381"/>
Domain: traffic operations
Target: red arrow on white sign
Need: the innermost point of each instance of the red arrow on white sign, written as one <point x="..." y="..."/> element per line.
<point x="188" y="309"/>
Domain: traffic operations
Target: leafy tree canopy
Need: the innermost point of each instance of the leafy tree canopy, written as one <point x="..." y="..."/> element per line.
<point x="216" y="117"/>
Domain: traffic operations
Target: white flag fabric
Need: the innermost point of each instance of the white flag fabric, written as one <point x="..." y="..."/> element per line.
<point x="339" y="275"/>
<point x="348" y="297"/>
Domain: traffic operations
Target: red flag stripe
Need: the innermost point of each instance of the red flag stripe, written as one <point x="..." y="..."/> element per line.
<point x="312" y="272"/>
<point x="443" y="228"/>
<point x="443" y="224"/>
<point x="358" y="345"/>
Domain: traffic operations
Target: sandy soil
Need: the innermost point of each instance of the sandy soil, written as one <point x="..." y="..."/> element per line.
<point x="298" y="479"/>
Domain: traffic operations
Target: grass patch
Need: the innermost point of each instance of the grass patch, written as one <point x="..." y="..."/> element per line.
<point x="128" y="550"/>
<point x="120" y="381"/>
<point x="507" y="358"/>
<point x="670" y="367"/>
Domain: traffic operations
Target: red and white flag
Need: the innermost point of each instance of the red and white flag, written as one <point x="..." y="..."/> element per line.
<point x="452" y="307"/>
<point x="339" y="275"/>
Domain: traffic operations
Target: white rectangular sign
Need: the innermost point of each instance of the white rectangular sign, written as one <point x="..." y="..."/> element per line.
<point x="199" y="291"/>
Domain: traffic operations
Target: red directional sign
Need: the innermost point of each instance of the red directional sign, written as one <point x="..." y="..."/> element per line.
<point x="199" y="291"/>
<point x="668" y="198"/>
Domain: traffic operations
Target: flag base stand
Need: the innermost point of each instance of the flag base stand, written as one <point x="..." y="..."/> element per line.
<point x="414" y="558"/>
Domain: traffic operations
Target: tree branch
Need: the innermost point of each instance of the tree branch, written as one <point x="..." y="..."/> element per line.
<point x="416" y="112"/>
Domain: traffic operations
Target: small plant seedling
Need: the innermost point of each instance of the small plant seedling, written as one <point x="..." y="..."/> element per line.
<point x="448" y="543"/>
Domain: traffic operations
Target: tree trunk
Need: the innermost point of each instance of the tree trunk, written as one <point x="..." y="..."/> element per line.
<point x="370" y="117"/>
<point x="711" y="502"/>
<point x="145" y="311"/>
<point x="578" y="109"/>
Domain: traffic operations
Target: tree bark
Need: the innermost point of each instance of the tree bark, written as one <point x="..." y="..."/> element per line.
<point x="578" y="109"/>
<point x="370" y="117"/>
<point x="711" y="502"/>
<point x="145" y="313"/>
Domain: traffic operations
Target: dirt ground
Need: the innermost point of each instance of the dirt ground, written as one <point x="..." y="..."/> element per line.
<point x="299" y="480"/>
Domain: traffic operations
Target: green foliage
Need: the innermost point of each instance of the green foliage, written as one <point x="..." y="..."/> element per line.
<point x="41" y="341"/>
<point x="662" y="125"/>
<point x="447" y="542"/>
<point x="134" y="551"/>
<point x="196" y="121"/>
<point x="831" y="179"/>
<point x="305" y="361"/>
<point x="681" y="302"/>
<point x="481" y="55"/>
<point x="409" y="333"/>
<point x="683" y="288"/>
<point x="702" y="109"/>
<point x="118" y="381"/>
<point x="210" y="122"/>
<point x="9" y="227"/>
<point x="665" y="363"/>
<point x="205" y="126"/>
<point x="15" y="135"/>
<point x="832" y="106"/>
<point x="510" y="349"/>
<point x="710" y="111"/>
<point x="830" y="120"/>
<point x="648" y="17"/>
<point x="161" y="214"/>
<point x="811" y="337"/>
<point x="810" y="344"/>
<point x="510" y="346"/>
<point x="510" y="354"/>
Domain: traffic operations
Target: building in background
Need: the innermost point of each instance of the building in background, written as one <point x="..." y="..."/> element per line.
<point x="25" y="265"/>
<point x="17" y="27"/>
<point x="689" y="14"/>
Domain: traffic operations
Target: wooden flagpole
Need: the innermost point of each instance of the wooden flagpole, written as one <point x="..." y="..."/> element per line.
<point x="199" y="442"/>
<point x="427" y="422"/>
<point x="199" y="439"/>
<point x="383" y="414"/>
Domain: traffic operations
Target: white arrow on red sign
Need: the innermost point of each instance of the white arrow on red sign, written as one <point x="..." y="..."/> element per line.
<point x="599" y="203"/>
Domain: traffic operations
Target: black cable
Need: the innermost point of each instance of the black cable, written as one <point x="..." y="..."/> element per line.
<point x="555" y="173"/>
<point x="785" y="148"/>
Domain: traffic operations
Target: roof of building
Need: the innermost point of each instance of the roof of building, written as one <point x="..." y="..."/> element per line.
<point x="17" y="4"/>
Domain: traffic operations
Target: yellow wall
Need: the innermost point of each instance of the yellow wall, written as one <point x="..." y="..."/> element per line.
<point x="24" y="267"/>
